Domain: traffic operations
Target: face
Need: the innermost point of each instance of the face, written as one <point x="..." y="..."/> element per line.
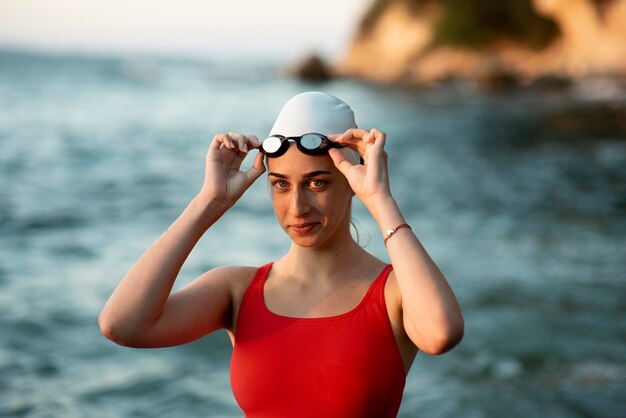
<point x="311" y="197"/>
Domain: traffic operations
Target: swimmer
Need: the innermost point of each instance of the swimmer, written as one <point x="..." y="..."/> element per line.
<point x="327" y="330"/>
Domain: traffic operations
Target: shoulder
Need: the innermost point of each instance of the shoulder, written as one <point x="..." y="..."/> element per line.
<point x="234" y="271"/>
<point x="229" y="281"/>
<point x="235" y="281"/>
<point x="242" y="276"/>
<point x="239" y="280"/>
<point x="236" y="276"/>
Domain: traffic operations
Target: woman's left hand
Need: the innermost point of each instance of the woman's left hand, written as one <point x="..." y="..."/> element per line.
<point x="370" y="181"/>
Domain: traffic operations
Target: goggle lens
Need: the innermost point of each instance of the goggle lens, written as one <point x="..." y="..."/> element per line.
<point x="271" y="144"/>
<point x="309" y="143"/>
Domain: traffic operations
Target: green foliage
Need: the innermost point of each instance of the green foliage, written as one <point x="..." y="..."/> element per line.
<point x="479" y="22"/>
<point x="372" y="14"/>
<point x="601" y="3"/>
<point x="601" y="6"/>
<point x="379" y="6"/>
<point x="470" y="23"/>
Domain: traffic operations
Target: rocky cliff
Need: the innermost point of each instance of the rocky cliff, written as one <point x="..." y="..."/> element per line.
<point x="428" y="41"/>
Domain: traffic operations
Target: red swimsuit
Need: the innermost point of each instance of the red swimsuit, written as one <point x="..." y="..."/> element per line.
<point x="342" y="366"/>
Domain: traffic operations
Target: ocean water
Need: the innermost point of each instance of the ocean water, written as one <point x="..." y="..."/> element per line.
<point x="519" y="197"/>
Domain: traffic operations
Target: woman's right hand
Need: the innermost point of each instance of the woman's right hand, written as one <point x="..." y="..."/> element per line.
<point x="224" y="183"/>
<point x="142" y="312"/>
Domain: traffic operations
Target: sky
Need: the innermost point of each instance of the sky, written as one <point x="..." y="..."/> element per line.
<point x="230" y="28"/>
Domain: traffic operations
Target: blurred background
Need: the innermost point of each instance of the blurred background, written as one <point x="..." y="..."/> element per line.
<point x="506" y="127"/>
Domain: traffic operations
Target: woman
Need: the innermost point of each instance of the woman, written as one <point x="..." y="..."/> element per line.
<point x="328" y="330"/>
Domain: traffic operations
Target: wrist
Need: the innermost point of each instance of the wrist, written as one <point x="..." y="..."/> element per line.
<point x="213" y="199"/>
<point x="391" y="231"/>
<point x="387" y="214"/>
<point x="207" y="209"/>
<point x="385" y="210"/>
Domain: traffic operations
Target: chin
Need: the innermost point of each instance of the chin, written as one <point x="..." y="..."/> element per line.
<point x="317" y="238"/>
<point x="309" y="241"/>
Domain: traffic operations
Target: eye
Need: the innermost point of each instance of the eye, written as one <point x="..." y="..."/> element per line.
<point x="317" y="183"/>
<point x="281" y="184"/>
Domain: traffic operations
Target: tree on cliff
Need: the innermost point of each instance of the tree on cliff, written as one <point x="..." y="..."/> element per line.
<point x="433" y="40"/>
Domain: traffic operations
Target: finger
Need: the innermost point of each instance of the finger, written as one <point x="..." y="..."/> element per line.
<point x="353" y="134"/>
<point x="356" y="132"/>
<point x="335" y="137"/>
<point x="367" y="137"/>
<point x="240" y="141"/>
<point x="228" y="141"/>
<point x="218" y="141"/>
<point x="254" y="141"/>
<point x="376" y="135"/>
<point x="340" y="160"/>
<point x="225" y="141"/>
<point x="246" y="142"/>
<point x="258" y="168"/>
<point x="376" y="155"/>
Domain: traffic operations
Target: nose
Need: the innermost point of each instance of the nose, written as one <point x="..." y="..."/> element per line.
<point x="299" y="202"/>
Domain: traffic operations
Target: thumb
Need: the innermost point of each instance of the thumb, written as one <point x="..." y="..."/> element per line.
<point x="258" y="168"/>
<point x="340" y="160"/>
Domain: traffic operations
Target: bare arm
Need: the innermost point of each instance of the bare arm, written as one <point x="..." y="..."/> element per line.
<point x="141" y="312"/>
<point x="431" y="314"/>
<point x="432" y="318"/>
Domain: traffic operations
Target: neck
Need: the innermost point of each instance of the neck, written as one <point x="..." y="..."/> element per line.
<point x="325" y="263"/>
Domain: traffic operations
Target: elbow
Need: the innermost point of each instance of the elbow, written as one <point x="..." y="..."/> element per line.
<point x="107" y="329"/>
<point x="448" y="339"/>
<point x="442" y="339"/>
<point x="112" y="332"/>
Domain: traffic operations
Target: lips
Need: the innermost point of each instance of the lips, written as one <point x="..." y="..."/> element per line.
<point x="303" y="228"/>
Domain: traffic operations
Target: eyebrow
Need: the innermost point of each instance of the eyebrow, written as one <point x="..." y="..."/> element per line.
<point x="305" y="176"/>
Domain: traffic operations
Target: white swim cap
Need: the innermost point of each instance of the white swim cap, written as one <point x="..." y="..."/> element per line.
<point x="314" y="111"/>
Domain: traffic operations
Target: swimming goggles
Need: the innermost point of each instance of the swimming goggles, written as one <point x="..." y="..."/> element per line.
<point x="311" y="143"/>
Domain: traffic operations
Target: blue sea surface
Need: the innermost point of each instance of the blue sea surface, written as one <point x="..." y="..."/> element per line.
<point x="518" y="196"/>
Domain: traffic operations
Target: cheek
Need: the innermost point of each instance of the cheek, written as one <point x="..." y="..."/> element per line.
<point x="337" y="202"/>
<point x="281" y="203"/>
<point x="277" y="202"/>
<point x="345" y="191"/>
